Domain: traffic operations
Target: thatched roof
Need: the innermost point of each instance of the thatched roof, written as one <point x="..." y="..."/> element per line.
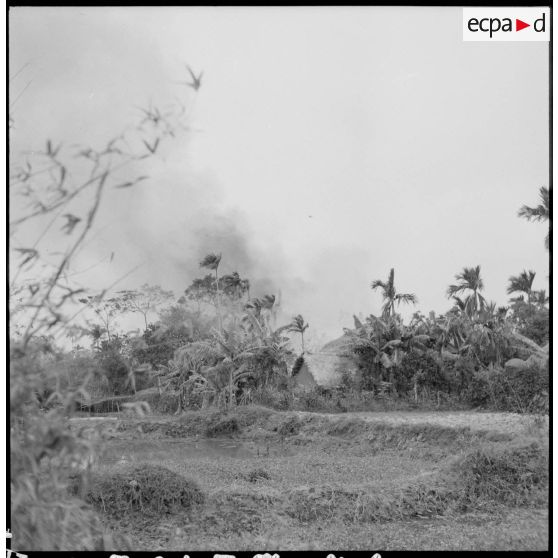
<point x="339" y="346"/>
<point x="328" y="364"/>
<point x="323" y="368"/>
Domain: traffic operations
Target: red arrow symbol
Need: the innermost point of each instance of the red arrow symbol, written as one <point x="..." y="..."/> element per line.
<point x="519" y="25"/>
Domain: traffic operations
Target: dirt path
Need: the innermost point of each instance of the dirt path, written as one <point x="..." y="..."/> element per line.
<point x="500" y="422"/>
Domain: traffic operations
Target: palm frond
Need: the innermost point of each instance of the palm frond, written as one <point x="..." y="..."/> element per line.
<point x="211" y="261"/>
<point x="540" y="212"/>
<point x="521" y="283"/>
<point x="407" y="298"/>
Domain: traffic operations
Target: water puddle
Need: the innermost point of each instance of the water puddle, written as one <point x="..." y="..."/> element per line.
<point x="133" y="451"/>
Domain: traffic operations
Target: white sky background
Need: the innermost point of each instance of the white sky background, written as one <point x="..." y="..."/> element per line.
<point x="331" y="144"/>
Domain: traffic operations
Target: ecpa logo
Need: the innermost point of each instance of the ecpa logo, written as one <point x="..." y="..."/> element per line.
<point x="506" y="24"/>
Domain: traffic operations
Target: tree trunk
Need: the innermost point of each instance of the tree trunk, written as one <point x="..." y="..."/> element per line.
<point x="230" y="388"/>
<point x="219" y="317"/>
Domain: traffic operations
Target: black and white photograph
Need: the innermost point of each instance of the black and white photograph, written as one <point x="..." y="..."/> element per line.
<point x="278" y="279"/>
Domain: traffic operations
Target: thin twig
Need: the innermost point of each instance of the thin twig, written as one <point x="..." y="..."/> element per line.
<point x="29" y="331"/>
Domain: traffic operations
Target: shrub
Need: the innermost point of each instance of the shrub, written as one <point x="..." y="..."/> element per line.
<point x="146" y="489"/>
<point x="67" y="371"/>
<point x="422" y="369"/>
<point x="460" y="375"/>
<point x="159" y="344"/>
<point x="165" y="402"/>
<point x="82" y="528"/>
<point x="526" y="388"/>
<point x="224" y="426"/>
<point x="519" y="391"/>
<point x="281" y="400"/>
<point x="117" y="371"/>
<point x="348" y="381"/>
<point x="289" y="427"/>
<point x="257" y="474"/>
<point x="507" y="475"/>
<point x="42" y="447"/>
<point x="532" y="322"/>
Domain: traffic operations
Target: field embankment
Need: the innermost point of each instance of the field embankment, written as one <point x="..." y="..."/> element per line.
<point x="262" y="479"/>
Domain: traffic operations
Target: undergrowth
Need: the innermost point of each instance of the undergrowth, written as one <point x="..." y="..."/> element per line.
<point x="485" y="477"/>
<point x="146" y="489"/>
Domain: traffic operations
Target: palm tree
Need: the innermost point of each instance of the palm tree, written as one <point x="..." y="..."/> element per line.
<point x="233" y="285"/>
<point x="522" y="283"/>
<point x="245" y="287"/>
<point x="298" y="326"/>
<point x="459" y="306"/>
<point x="212" y="261"/>
<point x="267" y="303"/>
<point x="470" y="283"/>
<point x="540" y="298"/>
<point x="391" y="296"/>
<point x="539" y="213"/>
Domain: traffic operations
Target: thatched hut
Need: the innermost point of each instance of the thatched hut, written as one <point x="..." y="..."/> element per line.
<point x="326" y="366"/>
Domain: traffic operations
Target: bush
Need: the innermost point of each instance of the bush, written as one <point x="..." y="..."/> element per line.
<point x="513" y="476"/>
<point x="67" y="371"/>
<point x="460" y="375"/>
<point x="225" y="426"/>
<point x="518" y="391"/>
<point x="422" y="369"/>
<point x="289" y="427"/>
<point x="81" y="526"/>
<point x="165" y="402"/>
<point x="117" y="371"/>
<point x="42" y="447"/>
<point x="280" y="400"/>
<point x="532" y="322"/>
<point x="146" y="489"/>
<point x="348" y="382"/>
<point x="310" y="400"/>
<point x="159" y="344"/>
<point x="257" y="474"/>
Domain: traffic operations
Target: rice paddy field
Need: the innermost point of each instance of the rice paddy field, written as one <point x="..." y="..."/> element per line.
<point x="258" y="479"/>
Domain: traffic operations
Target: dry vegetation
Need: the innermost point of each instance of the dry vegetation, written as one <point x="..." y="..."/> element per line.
<point x="322" y="482"/>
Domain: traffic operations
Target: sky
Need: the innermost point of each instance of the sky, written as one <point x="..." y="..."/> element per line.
<point x="326" y="146"/>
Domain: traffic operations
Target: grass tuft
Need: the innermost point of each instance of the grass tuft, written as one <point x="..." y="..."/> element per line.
<point x="225" y="426"/>
<point x="256" y="475"/>
<point x="289" y="427"/>
<point x="515" y="476"/>
<point x="147" y="489"/>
